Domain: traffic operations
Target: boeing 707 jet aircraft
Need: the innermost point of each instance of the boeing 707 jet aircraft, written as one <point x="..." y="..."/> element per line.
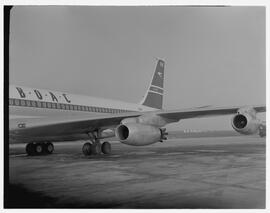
<point x="40" y="117"/>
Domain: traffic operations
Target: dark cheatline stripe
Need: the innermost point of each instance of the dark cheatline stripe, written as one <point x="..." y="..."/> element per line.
<point x="154" y="89"/>
<point x="51" y="105"/>
<point x="154" y="100"/>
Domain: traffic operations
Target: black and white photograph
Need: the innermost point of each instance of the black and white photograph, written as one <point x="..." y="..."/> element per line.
<point x="134" y="106"/>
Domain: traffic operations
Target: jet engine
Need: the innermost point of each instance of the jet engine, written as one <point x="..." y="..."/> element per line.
<point x="245" y="121"/>
<point x="139" y="134"/>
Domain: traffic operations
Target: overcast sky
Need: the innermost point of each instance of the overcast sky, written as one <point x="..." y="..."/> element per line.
<point x="213" y="55"/>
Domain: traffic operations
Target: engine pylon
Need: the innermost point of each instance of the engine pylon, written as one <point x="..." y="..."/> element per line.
<point x="163" y="134"/>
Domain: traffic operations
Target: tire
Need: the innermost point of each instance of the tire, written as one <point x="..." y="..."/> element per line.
<point x="87" y="149"/>
<point x="39" y="148"/>
<point x="96" y="148"/>
<point x="49" y="148"/>
<point x="30" y="149"/>
<point x="106" y="148"/>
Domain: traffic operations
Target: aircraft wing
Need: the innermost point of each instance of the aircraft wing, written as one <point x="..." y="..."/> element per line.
<point x="204" y="112"/>
<point x="41" y="127"/>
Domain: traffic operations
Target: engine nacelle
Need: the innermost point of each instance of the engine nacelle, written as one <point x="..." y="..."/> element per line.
<point x="139" y="134"/>
<point x="245" y="121"/>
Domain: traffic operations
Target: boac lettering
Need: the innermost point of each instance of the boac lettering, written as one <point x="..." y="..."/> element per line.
<point x="65" y="96"/>
<point x="53" y="97"/>
<point x="22" y="94"/>
<point x="38" y="94"/>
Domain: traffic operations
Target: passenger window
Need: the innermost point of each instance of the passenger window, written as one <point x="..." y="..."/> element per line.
<point x="33" y="103"/>
<point x="17" y="102"/>
<point x="10" y="101"/>
<point x="53" y="105"/>
<point x="44" y="105"/>
<point x="23" y="102"/>
<point x="49" y="105"/>
<point x="28" y="103"/>
<point x="39" y="104"/>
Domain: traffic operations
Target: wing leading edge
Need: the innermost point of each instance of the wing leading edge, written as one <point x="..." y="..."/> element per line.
<point x="204" y="112"/>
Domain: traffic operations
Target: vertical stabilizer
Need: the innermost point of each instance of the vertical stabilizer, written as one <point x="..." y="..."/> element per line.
<point x="154" y="95"/>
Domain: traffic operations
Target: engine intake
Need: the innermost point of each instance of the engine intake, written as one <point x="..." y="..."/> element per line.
<point x="139" y="134"/>
<point x="240" y="121"/>
<point x="245" y="121"/>
<point x="123" y="132"/>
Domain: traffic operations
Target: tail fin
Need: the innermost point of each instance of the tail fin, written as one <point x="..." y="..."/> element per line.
<point x="154" y="95"/>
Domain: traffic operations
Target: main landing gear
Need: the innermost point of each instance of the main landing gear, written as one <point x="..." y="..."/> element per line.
<point x="39" y="148"/>
<point x="96" y="148"/>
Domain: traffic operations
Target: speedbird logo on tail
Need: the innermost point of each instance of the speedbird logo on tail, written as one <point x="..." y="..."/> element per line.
<point x="160" y="74"/>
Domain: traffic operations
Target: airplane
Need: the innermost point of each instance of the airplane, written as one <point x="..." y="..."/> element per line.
<point x="40" y="117"/>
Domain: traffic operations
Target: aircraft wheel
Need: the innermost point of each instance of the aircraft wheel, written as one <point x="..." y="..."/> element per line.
<point x="30" y="149"/>
<point x="96" y="148"/>
<point x="39" y="148"/>
<point x="87" y="149"/>
<point x="49" y="148"/>
<point x="106" y="148"/>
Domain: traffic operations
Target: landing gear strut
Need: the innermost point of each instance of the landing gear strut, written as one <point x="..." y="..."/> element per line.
<point x="39" y="148"/>
<point x="96" y="148"/>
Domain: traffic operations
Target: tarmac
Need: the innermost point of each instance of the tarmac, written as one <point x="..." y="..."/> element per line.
<point x="219" y="173"/>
